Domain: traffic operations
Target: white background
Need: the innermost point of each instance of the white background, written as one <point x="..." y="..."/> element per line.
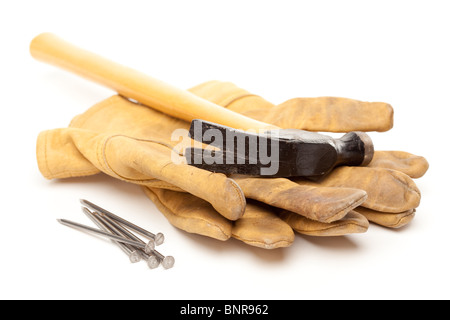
<point x="392" y="51"/>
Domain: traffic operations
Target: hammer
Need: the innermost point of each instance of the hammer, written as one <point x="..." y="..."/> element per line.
<point x="301" y="153"/>
<point x="275" y="152"/>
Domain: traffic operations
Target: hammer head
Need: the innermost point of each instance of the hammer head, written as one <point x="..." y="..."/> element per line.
<point x="274" y="153"/>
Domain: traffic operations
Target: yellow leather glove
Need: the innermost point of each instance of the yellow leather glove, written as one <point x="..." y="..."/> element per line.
<point x="130" y="142"/>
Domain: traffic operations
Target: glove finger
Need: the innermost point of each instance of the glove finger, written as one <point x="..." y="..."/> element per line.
<point x="332" y="114"/>
<point x="387" y="219"/>
<point x="144" y="162"/>
<point x="261" y="227"/>
<point x="317" y="203"/>
<point x="58" y="157"/>
<point x="410" y="164"/>
<point x="190" y="213"/>
<point x="136" y="160"/>
<point x="353" y="222"/>
<point x="387" y="190"/>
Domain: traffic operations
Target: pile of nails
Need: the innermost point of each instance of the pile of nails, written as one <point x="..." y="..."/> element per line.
<point x="120" y="231"/>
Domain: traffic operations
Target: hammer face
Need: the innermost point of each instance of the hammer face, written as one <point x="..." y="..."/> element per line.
<point x="274" y="153"/>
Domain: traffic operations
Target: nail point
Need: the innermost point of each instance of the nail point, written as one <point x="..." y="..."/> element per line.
<point x="86" y="210"/>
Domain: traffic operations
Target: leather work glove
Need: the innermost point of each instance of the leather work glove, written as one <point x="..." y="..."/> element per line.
<point x="131" y="142"/>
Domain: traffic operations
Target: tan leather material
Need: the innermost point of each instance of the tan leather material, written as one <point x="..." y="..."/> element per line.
<point x="410" y="164"/>
<point x="57" y="158"/>
<point x="117" y="115"/>
<point x="136" y="85"/>
<point x="261" y="227"/>
<point x="318" y="203"/>
<point x="386" y="219"/>
<point x="190" y="213"/>
<point x="387" y="190"/>
<point x="353" y="222"/>
<point x="336" y="114"/>
<point x="137" y="161"/>
<point x="332" y="114"/>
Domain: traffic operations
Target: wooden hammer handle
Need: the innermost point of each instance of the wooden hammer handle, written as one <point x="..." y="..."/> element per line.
<point x="136" y="85"/>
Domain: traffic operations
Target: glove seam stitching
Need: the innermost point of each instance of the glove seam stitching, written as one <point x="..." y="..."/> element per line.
<point x="73" y="173"/>
<point x="45" y="155"/>
<point x="397" y="223"/>
<point x="406" y="185"/>
<point x="331" y="227"/>
<point x="107" y="167"/>
<point x="226" y="105"/>
<point x="347" y="208"/>
<point x="271" y="245"/>
<point x="240" y="194"/>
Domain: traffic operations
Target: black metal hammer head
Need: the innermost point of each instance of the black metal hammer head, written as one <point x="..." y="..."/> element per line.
<point x="275" y="153"/>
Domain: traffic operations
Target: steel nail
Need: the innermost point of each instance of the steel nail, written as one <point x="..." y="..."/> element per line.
<point x="148" y="247"/>
<point x="166" y="261"/>
<point x="132" y="253"/>
<point x="158" y="238"/>
<point x="152" y="260"/>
